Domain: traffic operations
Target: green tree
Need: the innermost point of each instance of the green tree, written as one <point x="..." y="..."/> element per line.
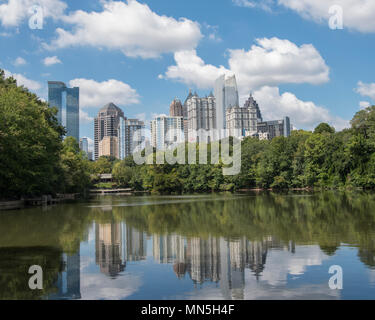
<point x="30" y="142"/>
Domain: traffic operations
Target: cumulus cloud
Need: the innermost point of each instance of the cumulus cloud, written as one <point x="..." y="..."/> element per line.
<point x="366" y="90"/>
<point x="84" y="117"/>
<point x="303" y="114"/>
<point x="271" y="62"/>
<point x="192" y="70"/>
<point x="131" y="27"/>
<point x="97" y="94"/>
<point x="23" y="81"/>
<point x="358" y="14"/>
<point x="50" y="61"/>
<point x="274" y="61"/>
<point x="19" y="62"/>
<point x="14" y="12"/>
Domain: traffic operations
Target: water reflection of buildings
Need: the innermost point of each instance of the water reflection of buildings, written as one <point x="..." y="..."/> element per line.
<point x="215" y="259"/>
<point x="116" y="244"/>
<point x="109" y="251"/>
<point x="68" y="280"/>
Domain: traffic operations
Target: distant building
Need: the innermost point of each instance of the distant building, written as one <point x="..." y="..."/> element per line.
<point x="130" y="136"/>
<point x="166" y="131"/>
<point x="201" y="118"/>
<point x="66" y="100"/>
<point x="226" y="94"/>
<point x="106" y="125"/>
<point x="243" y="121"/>
<point x="268" y="130"/>
<point x="108" y="146"/>
<point x="176" y="109"/>
<point x="84" y="145"/>
<point x="185" y="115"/>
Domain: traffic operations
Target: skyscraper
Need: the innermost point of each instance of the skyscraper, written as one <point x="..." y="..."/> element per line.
<point x="185" y="115"/>
<point x="166" y="131"/>
<point x="66" y="100"/>
<point x="130" y="136"/>
<point x="226" y="94"/>
<point x="106" y="125"/>
<point x="201" y="118"/>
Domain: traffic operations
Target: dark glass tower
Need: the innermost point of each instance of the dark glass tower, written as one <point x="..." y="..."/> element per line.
<point x="66" y="100"/>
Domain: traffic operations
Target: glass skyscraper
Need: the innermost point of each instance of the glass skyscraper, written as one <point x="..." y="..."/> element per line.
<point x="226" y="94"/>
<point x="66" y="100"/>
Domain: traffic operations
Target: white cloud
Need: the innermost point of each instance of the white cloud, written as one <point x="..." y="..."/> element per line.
<point x="84" y="117"/>
<point x="263" y="4"/>
<point x="23" y="81"/>
<point x="19" y="62"/>
<point x="130" y="27"/>
<point x="271" y="62"/>
<point x="303" y="114"/>
<point x="358" y="14"/>
<point x="275" y="61"/>
<point x="364" y="104"/>
<point x="366" y="90"/>
<point x="14" y="12"/>
<point x="97" y="94"/>
<point x="192" y="70"/>
<point x="50" y="61"/>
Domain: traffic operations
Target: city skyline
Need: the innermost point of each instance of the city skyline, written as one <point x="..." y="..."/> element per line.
<point x="312" y="78"/>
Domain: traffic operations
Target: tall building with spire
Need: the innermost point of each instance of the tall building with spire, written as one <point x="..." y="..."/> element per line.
<point x="185" y="116"/>
<point x="226" y="94"/>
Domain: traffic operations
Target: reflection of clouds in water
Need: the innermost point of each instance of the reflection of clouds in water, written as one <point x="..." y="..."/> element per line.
<point x="281" y="263"/>
<point x="95" y="286"/>
<point x="272" y="283"/>
<point x="258" y="291"/>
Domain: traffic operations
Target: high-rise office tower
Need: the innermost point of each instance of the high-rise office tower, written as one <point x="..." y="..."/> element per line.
<point x="185" y="115"/>
<point x="66" y="100"/>
<point x="201" y="118"/>
<point x="226" y="94"/>
<point x="130" y="136"/>
<point x="176" y="109"/>
<point x="166" y="131"/>
<point x="106" y="125"/>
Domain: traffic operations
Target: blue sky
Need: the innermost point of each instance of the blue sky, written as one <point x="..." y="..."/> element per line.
<point x="141" y="55"/>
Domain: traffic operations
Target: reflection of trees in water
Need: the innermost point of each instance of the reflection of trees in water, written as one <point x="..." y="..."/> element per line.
<point x="14" y="267"/>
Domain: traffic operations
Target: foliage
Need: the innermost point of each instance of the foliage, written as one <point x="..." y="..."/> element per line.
<point x="33" y="158"/>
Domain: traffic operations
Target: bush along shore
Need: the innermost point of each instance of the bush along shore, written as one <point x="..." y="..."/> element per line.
<point x="35" y="160"/>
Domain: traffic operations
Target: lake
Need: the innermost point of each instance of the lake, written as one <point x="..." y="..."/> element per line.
<point x="230" y="246"/>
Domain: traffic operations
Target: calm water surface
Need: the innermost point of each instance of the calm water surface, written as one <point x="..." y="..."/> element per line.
<point x="253" y="246"/>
